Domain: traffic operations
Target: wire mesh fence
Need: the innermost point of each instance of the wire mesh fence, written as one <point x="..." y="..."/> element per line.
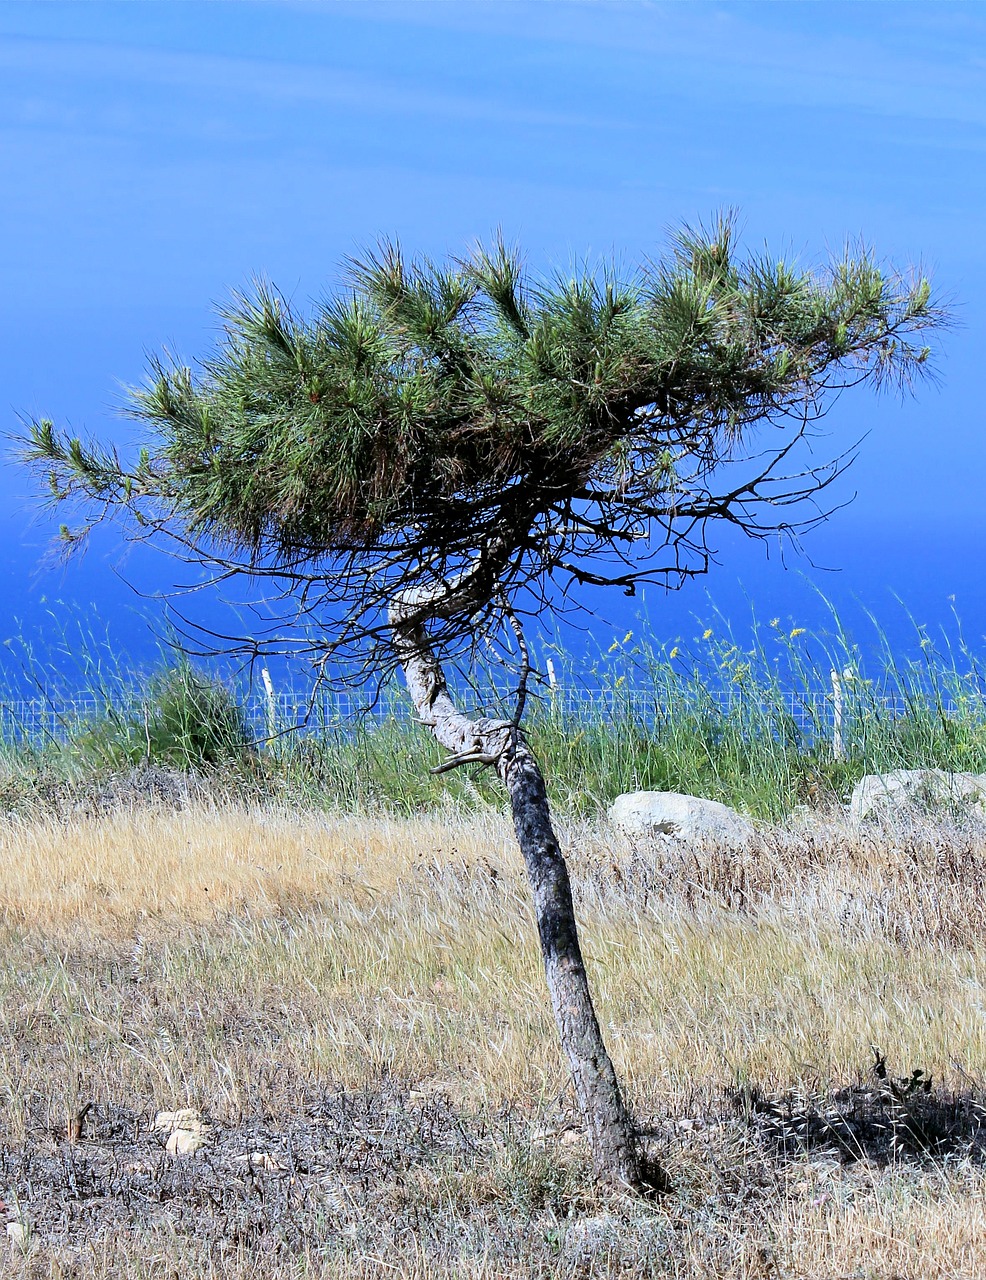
<point x="268" y="715"/>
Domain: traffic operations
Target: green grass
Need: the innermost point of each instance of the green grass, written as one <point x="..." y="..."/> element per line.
<point x="712" y="718"/>
<point x="715" y="720"/>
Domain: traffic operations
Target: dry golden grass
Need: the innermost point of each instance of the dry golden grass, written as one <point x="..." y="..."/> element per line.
<point x="111" y="871"/>
<point x="222" y="958"/>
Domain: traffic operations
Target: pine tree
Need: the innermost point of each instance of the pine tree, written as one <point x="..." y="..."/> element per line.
<point x="421" y="460"/>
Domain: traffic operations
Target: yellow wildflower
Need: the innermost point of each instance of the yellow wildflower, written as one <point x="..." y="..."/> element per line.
<point x="674" y="652"/>
<point x="706" y="634"/>
<point x="797" y="631"/>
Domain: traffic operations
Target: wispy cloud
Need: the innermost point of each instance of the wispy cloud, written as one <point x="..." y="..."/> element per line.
<point x="915" y="60"/>
<point x="92" y="75"/>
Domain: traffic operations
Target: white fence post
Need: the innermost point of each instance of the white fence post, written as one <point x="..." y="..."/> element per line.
<point x="271" y="704"/>
<point x="838" y="749"/>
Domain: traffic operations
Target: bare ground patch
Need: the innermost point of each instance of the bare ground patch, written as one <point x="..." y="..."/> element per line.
<point x="403" y="1180"/>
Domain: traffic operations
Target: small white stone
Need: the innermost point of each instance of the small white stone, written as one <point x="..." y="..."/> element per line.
<point x="18" y="1234"/>
<point x="185" y="1142"/>
<point x="186" y="1118"/>
<point x="260" y="1160"/>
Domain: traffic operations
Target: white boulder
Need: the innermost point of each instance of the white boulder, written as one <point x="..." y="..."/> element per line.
<point x="907" y="793"/>
<point x="654" y="813"/>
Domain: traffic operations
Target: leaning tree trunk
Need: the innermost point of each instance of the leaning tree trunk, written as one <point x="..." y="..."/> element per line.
<point x="615" y="1147"/>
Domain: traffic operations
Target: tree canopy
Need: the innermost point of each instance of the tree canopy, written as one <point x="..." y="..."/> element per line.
<point x="585" y="427"/>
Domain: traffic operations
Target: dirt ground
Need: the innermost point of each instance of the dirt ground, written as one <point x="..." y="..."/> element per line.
<point x="402" y="1180"/>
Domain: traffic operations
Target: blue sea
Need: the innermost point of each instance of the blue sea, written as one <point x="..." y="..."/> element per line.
<point x="885" y="586"/>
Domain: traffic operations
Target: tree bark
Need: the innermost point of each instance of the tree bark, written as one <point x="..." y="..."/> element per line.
<point x="616" y="1149"/>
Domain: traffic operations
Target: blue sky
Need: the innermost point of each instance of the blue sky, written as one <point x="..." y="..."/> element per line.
<point x="153" y="156"/>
